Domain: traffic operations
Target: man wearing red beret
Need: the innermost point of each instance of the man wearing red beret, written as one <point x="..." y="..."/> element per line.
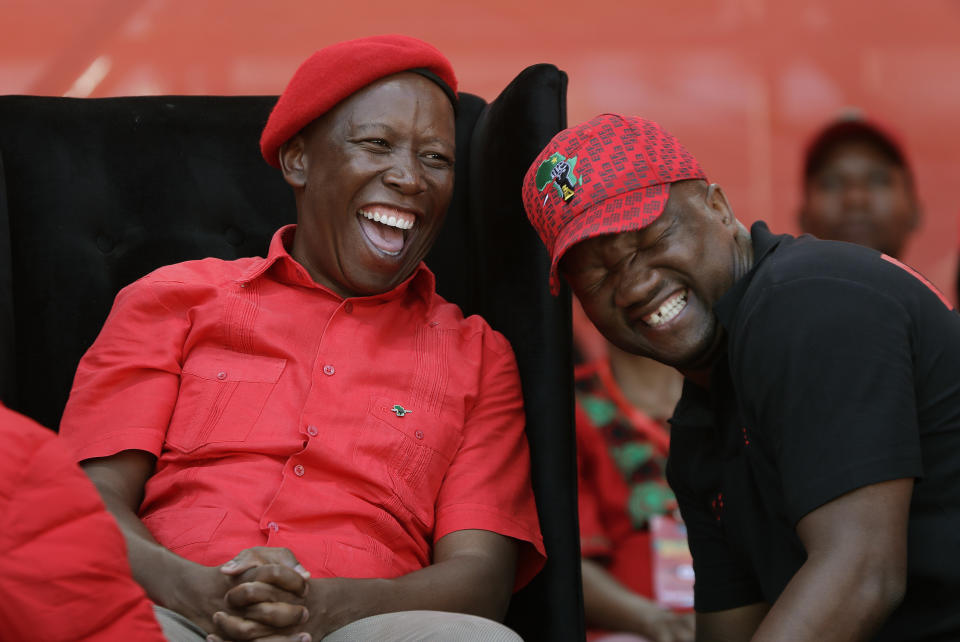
<point x="315" y="444"/>
<point x="815" y="450"/>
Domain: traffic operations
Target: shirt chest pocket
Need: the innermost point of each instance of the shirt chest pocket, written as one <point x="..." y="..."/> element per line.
<point x="409" y="451"/>
<point x="222" y="394"/>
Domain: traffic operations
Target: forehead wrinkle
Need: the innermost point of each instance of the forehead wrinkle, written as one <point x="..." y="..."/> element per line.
<point x="371" y="126"/>
<point x="382" y="127"/>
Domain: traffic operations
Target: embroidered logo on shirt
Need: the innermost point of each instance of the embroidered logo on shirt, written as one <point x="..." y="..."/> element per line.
<point x="399" y="410"/>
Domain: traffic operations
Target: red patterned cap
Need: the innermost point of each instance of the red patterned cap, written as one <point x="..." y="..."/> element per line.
<point x="608" y="175"/>
<point x="335" y="72"/>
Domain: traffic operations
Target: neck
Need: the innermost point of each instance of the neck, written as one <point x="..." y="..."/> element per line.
<point x="744" y="259"/>
<point x="648" y="385"/>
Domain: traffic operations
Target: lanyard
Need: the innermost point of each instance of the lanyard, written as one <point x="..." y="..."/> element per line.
<point x="655" y="433"/>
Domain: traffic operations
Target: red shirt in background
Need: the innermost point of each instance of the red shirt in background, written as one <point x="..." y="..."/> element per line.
<point x="356" y="432"/>
<point x="63" y="569"/>
<point x="621" y="463"/>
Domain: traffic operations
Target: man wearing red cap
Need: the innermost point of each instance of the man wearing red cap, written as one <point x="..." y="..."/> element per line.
<point x="315" y="443"/>
<point x="820" y="419"/>
<point x="858" y="187"/>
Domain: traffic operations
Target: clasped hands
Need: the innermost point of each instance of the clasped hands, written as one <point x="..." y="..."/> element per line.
<point x="266" y="599"/>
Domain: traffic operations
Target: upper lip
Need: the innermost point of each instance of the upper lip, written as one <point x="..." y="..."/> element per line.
<point x="403" y="208"/>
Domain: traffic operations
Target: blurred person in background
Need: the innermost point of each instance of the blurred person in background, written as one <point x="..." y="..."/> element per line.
<point x="858" y="186"/>
<point x="623" y="402"/>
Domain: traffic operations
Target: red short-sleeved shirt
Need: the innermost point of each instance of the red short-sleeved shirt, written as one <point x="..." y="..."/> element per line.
<point x="356" y="432"/>
<point x="63" y="568"/>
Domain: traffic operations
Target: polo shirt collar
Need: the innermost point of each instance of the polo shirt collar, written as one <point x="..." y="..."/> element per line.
<point x="764" y="242"/>
<point x="283" y="267"/>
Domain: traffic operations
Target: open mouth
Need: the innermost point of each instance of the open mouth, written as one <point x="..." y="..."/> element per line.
<point x="667" y="311"/>
<point x="386" y="227"/>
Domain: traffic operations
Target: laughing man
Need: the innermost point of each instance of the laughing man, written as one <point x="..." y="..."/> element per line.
<point x="815" y="452"/>
<point x="315" y="443"/>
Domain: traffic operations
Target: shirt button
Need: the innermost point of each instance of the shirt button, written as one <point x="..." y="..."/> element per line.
<point x="221" y="375"/>
<point x="312" y="431"/>
<point x="299" y="470"/>
<point x="273" y="526"/>
<point x="328" y="370"/>
<point x="419" y="434"/>
<point x="348" y="307"/>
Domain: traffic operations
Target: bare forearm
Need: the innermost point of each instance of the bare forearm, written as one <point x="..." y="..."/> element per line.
<point x="465" y="583"/>
<point x="152" y="564"/>
<point x="608" y="604"/>
<point x="822" y="604"/>
<point x="191" y="589"/>
<point x="856" y="569"/>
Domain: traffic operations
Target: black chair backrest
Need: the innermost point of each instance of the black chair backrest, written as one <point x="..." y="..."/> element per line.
<point x="95" y="193"/>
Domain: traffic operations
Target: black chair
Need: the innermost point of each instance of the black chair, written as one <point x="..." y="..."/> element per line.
<point x="95" y="193"/>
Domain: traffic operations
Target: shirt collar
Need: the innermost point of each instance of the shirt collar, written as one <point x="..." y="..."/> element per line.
<point x="284" y="268"/>
<point x="764" y="242"/>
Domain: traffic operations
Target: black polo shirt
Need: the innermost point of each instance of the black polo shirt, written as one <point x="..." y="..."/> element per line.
<point x="842" y="370"/>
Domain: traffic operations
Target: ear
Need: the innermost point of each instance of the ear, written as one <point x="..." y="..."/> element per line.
<point x="293" y="161"/>
<point x="717" y="203"/>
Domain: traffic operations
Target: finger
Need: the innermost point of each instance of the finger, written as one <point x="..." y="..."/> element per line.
<point x="245" y="559"/>
<point x="259" y="555"/>
<point x="278" y="615"/>
<point x="234" y="627"/>
<point x="249" y="593"/>
<point x="277" y="575"/>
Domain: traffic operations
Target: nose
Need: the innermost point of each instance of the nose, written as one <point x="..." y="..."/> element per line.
<point x="636" y="284"/>
<point x="405" y="174"/>
<point x="856" y="196"/>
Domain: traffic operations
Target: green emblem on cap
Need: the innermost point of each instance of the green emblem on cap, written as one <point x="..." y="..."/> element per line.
<point x="559" y="171"/>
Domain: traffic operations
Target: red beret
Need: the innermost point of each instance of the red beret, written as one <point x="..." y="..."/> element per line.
<point x="335" y="72"/>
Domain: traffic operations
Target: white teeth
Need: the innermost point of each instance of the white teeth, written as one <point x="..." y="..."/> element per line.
<point x="391" y="220"/>
<point x="670" y="309"/>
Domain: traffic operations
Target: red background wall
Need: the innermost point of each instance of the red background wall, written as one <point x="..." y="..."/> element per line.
<point x="742" y="82"/>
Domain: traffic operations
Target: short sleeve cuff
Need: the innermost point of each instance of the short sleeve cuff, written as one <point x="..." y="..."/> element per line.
<point x="111" y="443"/>
<point x="823" y="489"/>
<point x="722" y="597"/>
<point x="479" y="517"/>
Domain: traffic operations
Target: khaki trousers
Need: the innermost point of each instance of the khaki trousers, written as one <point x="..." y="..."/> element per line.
<point x="402" y="626"/>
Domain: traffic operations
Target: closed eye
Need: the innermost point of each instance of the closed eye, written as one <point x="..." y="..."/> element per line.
<point x="660" y="237"/>
<point x="592" y="281"/>
<point x="438" y="160"/>
<point x="374" y="144"/>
